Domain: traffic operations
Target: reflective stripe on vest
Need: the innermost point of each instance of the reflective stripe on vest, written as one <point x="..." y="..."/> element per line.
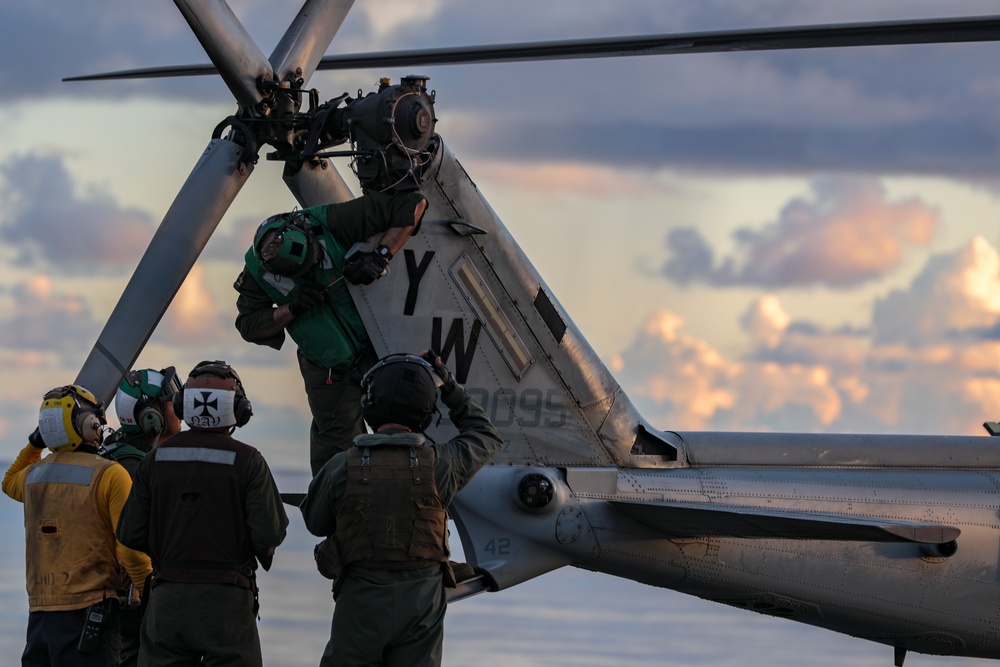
<point x="201" y="454"/>
<point x="60" y="473"/>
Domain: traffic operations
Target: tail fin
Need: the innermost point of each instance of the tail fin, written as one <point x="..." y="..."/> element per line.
<point x="463" y="287"/>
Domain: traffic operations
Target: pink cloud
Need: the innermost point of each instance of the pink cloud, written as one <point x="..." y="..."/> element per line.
<point x="849" y="233"/>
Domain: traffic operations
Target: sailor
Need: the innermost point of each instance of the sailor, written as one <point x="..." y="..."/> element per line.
<point x="206" y="509"/>
<point x="294" y="279"/>
<point x="390" y="561"/>
<point x="145" y="411"/>
<point x="72" y="501"/>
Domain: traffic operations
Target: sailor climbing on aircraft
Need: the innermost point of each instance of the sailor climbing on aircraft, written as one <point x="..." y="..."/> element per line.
<point x="294" y="280"/>
<point x="390" y="564"/>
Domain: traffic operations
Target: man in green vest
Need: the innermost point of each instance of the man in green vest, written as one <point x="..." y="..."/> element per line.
<point x="295" y="280"/>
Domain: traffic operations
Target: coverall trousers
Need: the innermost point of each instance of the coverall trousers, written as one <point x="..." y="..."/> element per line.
<point x="200" y="625"/>
<point x="386" y="618"/>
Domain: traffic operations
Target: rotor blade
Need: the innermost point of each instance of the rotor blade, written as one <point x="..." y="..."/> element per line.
<point x="230" y="48"/>
<point x="199" y="206"/>
<point x="924" y="31"/>
<point x="308" y="37"/>
<point x="316" y="183"/>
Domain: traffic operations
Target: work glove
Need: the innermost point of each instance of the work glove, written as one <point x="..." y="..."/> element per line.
<point x="447" y="381"/>
<point x="307" y="297"/>
<point x="364" y="268"/>
<point x="35" y="439"/>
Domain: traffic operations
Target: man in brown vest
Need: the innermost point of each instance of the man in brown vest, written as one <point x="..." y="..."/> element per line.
<point x="384" y="502"/>
<point x="72" y="500"/>
<point x="206" y="509"/>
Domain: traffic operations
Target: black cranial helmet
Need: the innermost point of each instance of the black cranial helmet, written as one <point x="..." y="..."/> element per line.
<point x="399" y="389"/>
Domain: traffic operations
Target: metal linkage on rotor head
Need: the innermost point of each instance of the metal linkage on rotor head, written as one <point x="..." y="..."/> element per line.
<point x="391" y="131"/>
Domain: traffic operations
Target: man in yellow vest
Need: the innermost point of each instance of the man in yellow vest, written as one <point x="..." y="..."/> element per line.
<point x="296" y="278"/>
<point x="72" y="500"/>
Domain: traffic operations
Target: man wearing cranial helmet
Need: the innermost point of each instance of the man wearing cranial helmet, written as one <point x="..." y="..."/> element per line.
<point x="72" y="502"/>
<point x="144" y="405"/>
<point x="206" y="509"/>
<point x="295" y="280"/>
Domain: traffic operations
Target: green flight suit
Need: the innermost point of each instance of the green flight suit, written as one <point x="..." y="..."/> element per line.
<point x="395" y="618"/>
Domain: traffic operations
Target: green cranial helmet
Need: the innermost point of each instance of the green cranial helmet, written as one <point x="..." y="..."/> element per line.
<point x="285" y="245"/>
<point x="140" y="398"/>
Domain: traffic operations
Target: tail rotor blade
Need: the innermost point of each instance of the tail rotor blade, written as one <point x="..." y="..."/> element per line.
<point x="234" y="54"/>
<point x="199" y="206"/>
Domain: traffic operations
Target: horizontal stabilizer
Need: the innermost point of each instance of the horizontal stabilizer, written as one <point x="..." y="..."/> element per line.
<point x="682" y="519"/>
<point x="293" y="499"/>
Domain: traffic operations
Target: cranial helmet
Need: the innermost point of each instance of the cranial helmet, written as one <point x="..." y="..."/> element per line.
<point x="285" y="245"/>
<point x="213" y="397"/>
<point x="140" y="398"/>
<point x="399" y="389"/>
<point x="69" y="417"/>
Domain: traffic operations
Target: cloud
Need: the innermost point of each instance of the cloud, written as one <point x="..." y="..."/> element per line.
<point x="680" y="382"/>
<point x="955" y="295"/>
<point x="765" y="321"/>
<point x="194" y="317"/>
<point x="43" y="321"/>
<point x="47" y="222"/>
<point x="924" y="109"/>
<point x="929" y="362"/>
<point x="849" y="234"/>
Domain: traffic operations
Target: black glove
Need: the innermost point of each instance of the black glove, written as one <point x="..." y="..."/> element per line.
<point x="35" y="439"/>
<point x="307" y="297"/>
<point x="447" y="381"/>
<point x="364" y="268"/>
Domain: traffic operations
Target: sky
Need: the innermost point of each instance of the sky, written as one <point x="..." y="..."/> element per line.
<point x="801" y="241"/>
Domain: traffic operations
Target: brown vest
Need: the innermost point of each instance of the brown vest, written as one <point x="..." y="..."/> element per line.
<point x="391" y="516"/>
<point x="198" y="529"/>
<point x="70" y="547"/>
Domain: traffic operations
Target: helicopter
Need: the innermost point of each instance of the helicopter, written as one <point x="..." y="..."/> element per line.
<point x="582" y="470"/>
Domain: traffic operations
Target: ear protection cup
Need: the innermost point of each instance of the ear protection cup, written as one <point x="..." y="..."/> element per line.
<point x="178" y="401"/>
<point x="149" y="416"/>
<point x="242" y="408"/>
<point x="86" y="425"/>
